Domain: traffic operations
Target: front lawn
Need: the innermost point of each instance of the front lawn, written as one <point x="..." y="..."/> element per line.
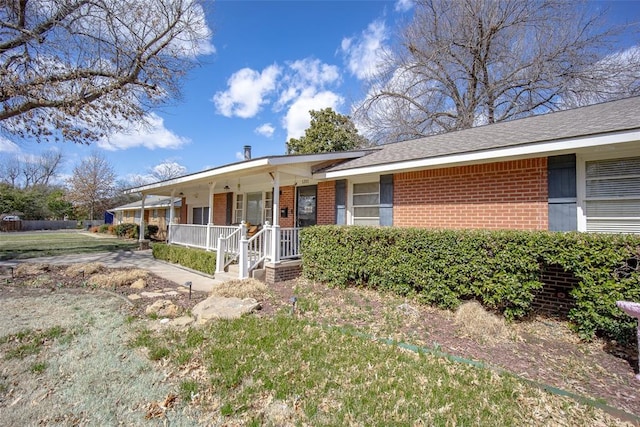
<point x="20" y="245"/>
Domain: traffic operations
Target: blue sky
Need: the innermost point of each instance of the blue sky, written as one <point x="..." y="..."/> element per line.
<point x="272" y="62"/>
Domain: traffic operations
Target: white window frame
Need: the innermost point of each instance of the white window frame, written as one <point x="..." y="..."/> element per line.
<point x="581" y="178"/>
<point x="352" y="219"/>
<point x="240" y="206"/>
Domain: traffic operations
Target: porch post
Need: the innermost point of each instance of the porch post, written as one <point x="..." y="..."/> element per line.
<point x="275" y="228"/>
<point x="171" y="215"/>
<point x="208" y="245"/>
<point x="243" y="258"/>
<point x="141" y="233"/>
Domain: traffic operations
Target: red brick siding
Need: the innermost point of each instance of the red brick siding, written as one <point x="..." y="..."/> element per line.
<point x="504" y="195"/>
<point x="287" y="200"/>
<point x="183" y="211"/>
<point x="555" y="299"/>
<point x="282" y="272"/>
<point x="220" y="208"/>
<point x="326" y="203"/>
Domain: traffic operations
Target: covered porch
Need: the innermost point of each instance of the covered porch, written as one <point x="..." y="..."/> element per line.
<point x="250" y="212"/>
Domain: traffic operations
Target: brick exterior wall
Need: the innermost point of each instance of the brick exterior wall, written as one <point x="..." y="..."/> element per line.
<point x="281" y="272"/>
<point x="183" y="211"/>
<point x="287" y="200"/>
<point x="326" y="203"/>
<point x="555" y="299"/>
<point x="503" y="195"/>
<point x="220" y="209"/>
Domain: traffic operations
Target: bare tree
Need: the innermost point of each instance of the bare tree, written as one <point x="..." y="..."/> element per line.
<point x="81" y="69"/>
<point x="468" y="62"/>
<point x="10" y="170"/>
<point x="166" y="170"/>
<point x="34" y="170"/>
<point x="92" y="185"/>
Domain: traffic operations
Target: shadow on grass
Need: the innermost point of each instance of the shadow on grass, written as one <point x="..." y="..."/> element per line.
<point x="32" y="252"/>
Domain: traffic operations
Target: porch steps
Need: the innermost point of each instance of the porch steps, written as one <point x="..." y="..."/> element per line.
<point x="234" y="270"/>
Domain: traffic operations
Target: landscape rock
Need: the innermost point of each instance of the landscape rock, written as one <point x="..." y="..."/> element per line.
<point x="182" y="321"/>
<point x="139" y="284"/>
<point x="216" y="307"/>
<point x="151" y="294"/>
<point x="163" y="308"/>
<point x="134" y="297"/>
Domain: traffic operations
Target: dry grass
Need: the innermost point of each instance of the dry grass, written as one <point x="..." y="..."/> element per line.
<point x="118" y="278"/>
<point x="478" y="324"/>
<point x="29" y="269"/>
<point x="85" y="268"/>
<point x="248" y="288"/>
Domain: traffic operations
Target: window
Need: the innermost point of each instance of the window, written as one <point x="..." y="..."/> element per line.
<point x="239" y="208"/>
<point x="201" y="216"/>
<point x="612" y="195"/>
<point x="254" y="208"/>
<point x="366" y="204"/>
<point x="268" y="206"/>
<point x="154" y="214"/>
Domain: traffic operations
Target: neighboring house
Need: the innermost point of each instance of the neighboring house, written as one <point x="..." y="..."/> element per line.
<point x="571" y="170"/>
<point x="156" y="212"/>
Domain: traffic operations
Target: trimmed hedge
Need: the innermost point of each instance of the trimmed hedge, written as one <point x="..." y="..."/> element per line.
<point x="196" y="259"/>
<point x="501" y="269"/>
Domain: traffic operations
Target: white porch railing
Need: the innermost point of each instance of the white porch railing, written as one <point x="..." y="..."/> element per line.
<point x="199" y="236"/>
<point x="289" y="243"/>
<point x="191" y="235"/>
<point x="272" y="243"/>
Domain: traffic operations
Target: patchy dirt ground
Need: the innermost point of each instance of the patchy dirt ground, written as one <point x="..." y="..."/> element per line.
<point x="542" y="350"/>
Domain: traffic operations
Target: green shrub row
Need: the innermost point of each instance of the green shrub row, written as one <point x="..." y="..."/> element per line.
<point x="196" y="259"/>
<point x="501" y="269"/>
<point x="130" y="230"/>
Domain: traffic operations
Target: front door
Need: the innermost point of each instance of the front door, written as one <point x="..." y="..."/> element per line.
<point x="306" y="202"/>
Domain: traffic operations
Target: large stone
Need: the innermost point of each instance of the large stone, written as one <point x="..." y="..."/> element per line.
<point x="182" y="322"/>
<point x="139" y="284"/>
<point x="151" y="294"/>
<point x="162" y="308"/>
<point x="223" y="308"/>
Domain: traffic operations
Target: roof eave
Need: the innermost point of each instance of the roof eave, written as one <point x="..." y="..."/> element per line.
<point x="247" y="166"/>
<point x="520" y="151"/>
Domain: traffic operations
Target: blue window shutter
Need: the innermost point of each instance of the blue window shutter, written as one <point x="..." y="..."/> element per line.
<point x="561" y="178"/>
<point x="341" y="202"/>
<point x="386" y="199"/>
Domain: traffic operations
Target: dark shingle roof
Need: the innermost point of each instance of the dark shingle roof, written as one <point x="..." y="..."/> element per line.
<point x="596" y="119"/>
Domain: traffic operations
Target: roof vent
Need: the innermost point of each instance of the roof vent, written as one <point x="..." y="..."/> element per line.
<point x="247" y="152"/>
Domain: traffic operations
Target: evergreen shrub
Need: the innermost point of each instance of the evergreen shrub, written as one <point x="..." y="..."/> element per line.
<point x="500" y="269"/>
<point x="196" y="259"/>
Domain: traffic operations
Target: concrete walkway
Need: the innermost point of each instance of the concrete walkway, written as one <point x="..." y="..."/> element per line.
<point x="138" y="259"/>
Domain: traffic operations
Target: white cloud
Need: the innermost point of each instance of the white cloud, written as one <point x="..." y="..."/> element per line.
<point x="266" y="129"/>
<point x="239" y="155"/>
<point x="7" y="146"/>
<point x="247" y="92"/>
<point x="403" y="5"/>
<point x="300" y="86"/>
<point x="303" y="75"/>
<point x="297" y="119"/>
<point x="362" y="54"/>
<point x="151" y="134"/>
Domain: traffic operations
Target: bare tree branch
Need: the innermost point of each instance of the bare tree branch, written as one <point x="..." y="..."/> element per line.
<point x="82" y="69"/>
<point x="468" y="62"/>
